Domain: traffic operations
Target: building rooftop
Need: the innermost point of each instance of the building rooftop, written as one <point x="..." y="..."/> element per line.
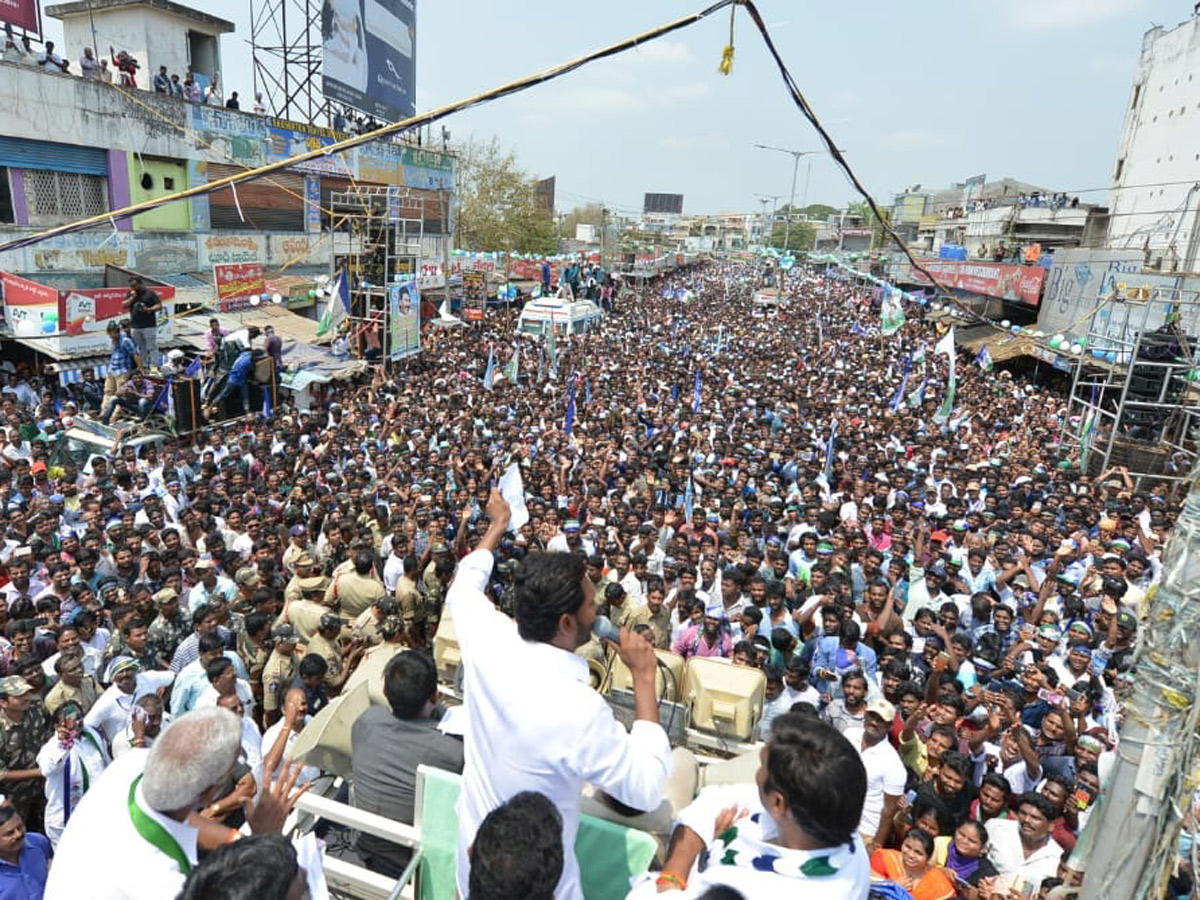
<point x="92" y="7"/>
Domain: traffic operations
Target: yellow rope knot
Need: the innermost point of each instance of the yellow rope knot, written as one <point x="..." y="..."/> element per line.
<point x="726" y="65"/>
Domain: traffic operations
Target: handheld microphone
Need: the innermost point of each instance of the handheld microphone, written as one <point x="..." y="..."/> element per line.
<point x="605" y="630"/>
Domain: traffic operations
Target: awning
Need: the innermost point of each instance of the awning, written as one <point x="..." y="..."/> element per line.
<point x="1002" y="345"/>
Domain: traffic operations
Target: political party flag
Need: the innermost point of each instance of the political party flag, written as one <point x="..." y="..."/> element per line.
<point x="570" y="421"/>
<point x="696" y="395"/>
<point x="337" y="308"/>
<point x="512" y="371"/>
<point x="946" y="345"/>
<point x="917" y="398"/>
<point x="983" y="359"/>
<point x="266" y="402"/>
<point x="828" y="473"/>
<point x="195" y="367"/>
<point x="489" y="377"/>
<point x="898" y="399"/>
<point x="689" y="500"/>
<point x="891" y="314"/>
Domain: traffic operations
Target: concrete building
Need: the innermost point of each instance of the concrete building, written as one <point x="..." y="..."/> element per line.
<point x="71" y="148"/>
<point x="154" y="32"/>
<point x="1155" y="199"/>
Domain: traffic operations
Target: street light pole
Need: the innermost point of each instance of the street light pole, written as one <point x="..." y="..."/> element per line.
<point x="795" y="154"/>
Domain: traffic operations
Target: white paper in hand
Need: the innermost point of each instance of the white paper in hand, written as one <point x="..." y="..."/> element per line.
<point x="512" y="489"/>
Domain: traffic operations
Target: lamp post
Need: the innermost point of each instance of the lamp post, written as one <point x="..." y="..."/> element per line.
<point x="795" y="154"/>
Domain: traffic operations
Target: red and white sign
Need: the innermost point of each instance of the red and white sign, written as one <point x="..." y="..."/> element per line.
<point x="236" y="282"/>
<point x="1009" y="282"/>
<point x="21" y="14"/>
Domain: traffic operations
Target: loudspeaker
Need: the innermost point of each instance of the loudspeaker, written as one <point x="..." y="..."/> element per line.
<point x="185" y="395"/>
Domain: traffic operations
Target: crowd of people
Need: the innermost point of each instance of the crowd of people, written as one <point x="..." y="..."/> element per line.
<point x="945" y="608"/>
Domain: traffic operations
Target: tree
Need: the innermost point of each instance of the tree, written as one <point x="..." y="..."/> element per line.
<point x="589" y="214"/>
<point x="801" y="238"/>
<point x="818" y="211"/>
<point x="497" y="203"/>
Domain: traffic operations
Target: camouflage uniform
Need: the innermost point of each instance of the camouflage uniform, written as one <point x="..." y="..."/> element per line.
<point x="19" y="746"/>
<point x="165" y="635"/>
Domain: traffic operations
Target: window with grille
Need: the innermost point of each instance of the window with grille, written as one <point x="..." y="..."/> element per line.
<point x="54" y="196"/>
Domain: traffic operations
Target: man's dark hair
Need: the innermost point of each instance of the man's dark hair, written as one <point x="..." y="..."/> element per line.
<point x="1036" y="800"/>
<point x="313" y="665"/>
<point x="362" y="562"/>
<point x="258" y="867"/>
<point x="408" y="682"/>
<point x="820" y="775"/>
<point x="518" y="851"/>
<point x="547" y="587"/>
<point x="958" y="762"/>
<point x="210" y="642"/>
<point x="216" y="668"/>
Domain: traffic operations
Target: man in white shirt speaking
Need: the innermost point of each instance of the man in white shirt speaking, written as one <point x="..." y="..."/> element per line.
<point x="535" y="724"/>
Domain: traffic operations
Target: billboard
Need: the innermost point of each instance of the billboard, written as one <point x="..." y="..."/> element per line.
<point x="1008" y="282"/>
<point x="474" y="295"/>
<point x="404" y="300"/>
<point x="20" y="14"/>
<point x="73" y="322"/>
<point x="663" y="203"/>
<point x="369" y="55"/>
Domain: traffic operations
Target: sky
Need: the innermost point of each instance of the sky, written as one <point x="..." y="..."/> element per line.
<point x="924" y="93"/>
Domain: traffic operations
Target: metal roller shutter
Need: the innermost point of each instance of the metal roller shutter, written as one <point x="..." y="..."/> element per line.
<point x="267" y="206"/>
<point x="19" y="153"/>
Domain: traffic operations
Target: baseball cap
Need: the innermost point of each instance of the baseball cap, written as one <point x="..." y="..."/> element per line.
<point x="205" y="562"/>
<point x="304" y="559"/>
<point x="1126" y="620"/>
<point x="284" y="632"/>
<point x="166" y="595"/>
<point x="14" y="686"/>
<point x="247" y="575"/>
<point x="882" y="708"/>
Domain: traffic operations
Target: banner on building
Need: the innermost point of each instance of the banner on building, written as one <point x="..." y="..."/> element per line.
<point x="474" y="295"/>
<point x="1009" y="282"/>
<point x="404" y="300"/>
<point x="237" y="282"/>
<point x="369" y="55"/>
<point x="21" y="14"/>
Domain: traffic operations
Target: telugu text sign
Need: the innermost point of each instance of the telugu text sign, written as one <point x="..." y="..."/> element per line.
<point x="235" y="282"/>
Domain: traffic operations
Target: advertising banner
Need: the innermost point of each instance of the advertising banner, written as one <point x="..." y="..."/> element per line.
<point x="369" y="55"/>
<point x="236" y="282"/>
<point x="474" y="295"/>
<point x="20" y="13"/>
<point x="405" y="331"/>
<point x="1009" y="282"/>
<point x="29" y="308"/>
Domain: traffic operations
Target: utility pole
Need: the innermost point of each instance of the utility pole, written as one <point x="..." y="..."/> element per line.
<point x="1129" y="846"/>
<point x="603" y="228"/>
<point x="774" y="198"/>
<point x="795" y="154"/>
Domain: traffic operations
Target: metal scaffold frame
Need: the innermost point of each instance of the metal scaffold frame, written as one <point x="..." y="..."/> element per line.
<point x="1134" y="401"/>
<point x="286" y="47"/>
<point x="378" y="240"/>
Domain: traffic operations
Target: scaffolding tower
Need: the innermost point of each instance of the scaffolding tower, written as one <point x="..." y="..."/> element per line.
<point x="378" y="233"/>
<point x="286" y="48"/>
<point x="1135" y="400"/>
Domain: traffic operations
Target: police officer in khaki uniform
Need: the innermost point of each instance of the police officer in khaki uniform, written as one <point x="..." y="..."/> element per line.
<point x="412" y="604"/>
<point x="366" y="627"/>
<point x="305" y="613"/>
<point x="352" y="593"/>
<point x="279" y="672"/>
<point x="303" y="567"/>
<point x="325" y="645"/>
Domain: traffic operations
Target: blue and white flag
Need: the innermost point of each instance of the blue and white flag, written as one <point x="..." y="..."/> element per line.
<point x="489" y="377"/>
<point x="899" y="398"/>
<point x="689" y="500"/>
<point x="696" y="395"/>
<point x="983" y="359"/>
<point x="829" y="452"/>
<point x="570" y="420"/>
